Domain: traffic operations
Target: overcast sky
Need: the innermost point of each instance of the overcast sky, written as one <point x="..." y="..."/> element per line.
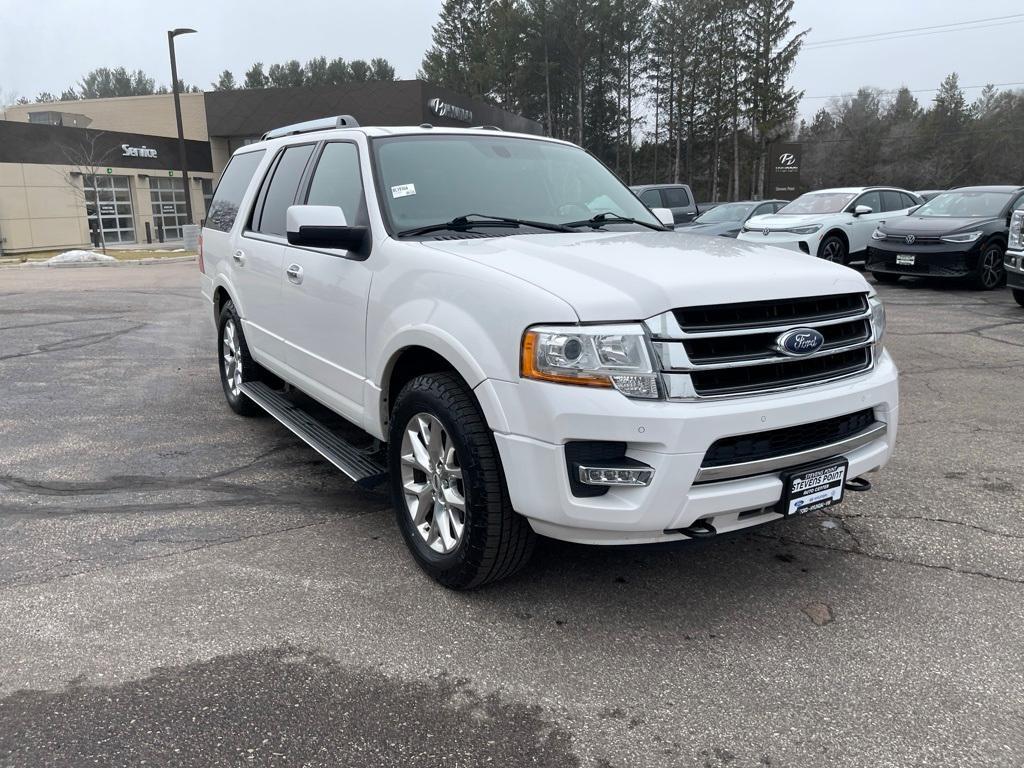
<point x="50" y="44"/>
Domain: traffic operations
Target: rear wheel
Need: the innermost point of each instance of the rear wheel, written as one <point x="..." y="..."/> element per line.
<point x="1018" y="296"/>
<point x="990" y="273"/>
<point x="236" y="364"/>
<point x="448" y="487"/>
<point x="885" y="277"/>
<point x="833" y="248"/>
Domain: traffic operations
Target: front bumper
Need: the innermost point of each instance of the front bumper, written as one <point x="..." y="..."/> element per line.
<point x="537" y="419"/>
<point x="803" y="243"/>
<point x="1013" y="261"/>
<point x="929" y="260"/>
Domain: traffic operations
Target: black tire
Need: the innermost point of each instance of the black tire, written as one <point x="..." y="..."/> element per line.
<point x="990" y="273"/>
<point x="237" y="401"/>
<point x="833" y="248"/>
<point x="1018" y="295"/>
<point x="886" y="277"/>
<point x="496" y="541"/>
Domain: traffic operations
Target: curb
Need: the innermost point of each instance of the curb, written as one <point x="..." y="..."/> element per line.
<point x="80" y="264"/>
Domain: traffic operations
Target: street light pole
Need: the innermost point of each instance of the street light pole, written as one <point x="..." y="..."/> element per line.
<point x="171" y="34"/>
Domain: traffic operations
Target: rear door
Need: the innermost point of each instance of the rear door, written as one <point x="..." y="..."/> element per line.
<point x="259" y="253"/>
<point x="680" y="202"/>
<point x="326" y="290"/>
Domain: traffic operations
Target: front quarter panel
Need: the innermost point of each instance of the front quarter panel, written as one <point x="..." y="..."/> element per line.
<point x="470" y="314"/>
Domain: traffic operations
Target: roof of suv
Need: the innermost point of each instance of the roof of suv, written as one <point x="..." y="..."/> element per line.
<point x="380" y="131"/>
<point x="989" y="188"/>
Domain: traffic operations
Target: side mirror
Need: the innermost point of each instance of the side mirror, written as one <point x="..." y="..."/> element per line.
<point x="664" y="215"/>
<point x="323" y="226"/>
<point x="860" y="210"/>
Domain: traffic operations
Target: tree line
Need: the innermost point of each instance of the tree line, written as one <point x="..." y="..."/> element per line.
<point x="106" y="82"/>
<point x="875" y="137"/>
<point x="661" y="90"/>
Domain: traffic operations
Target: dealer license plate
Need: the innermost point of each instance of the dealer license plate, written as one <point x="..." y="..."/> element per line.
<point x="811" y="488"/>
<point x="905" y="259"/>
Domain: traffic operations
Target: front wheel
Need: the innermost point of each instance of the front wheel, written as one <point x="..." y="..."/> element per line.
<point x="833" y="248"/>
<point x="1018" y="296"/>
<point x="448" y="487"/>
<point x="990" y="273"/>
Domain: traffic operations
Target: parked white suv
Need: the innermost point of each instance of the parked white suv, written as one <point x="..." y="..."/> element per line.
<point x="832" y="224"/>
<point x="518" y="345"/>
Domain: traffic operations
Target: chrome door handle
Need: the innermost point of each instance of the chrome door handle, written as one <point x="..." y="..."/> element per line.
<point x="239" y="257"/>
<point x="294" y="272"/>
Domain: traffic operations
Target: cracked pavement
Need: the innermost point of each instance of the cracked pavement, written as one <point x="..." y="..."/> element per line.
<point x="184" y="587"/>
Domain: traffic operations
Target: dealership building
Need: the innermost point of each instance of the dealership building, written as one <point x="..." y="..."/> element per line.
<point x="71" y="171"/>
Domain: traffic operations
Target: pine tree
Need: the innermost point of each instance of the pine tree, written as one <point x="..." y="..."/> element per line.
<point x="255" y="77"/>
<point x="226" y="82"/>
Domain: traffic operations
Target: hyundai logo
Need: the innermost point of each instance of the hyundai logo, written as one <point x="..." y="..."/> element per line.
<point x="787" y="159"/>
<point x="910" y="239"/>
<point x="799" y="342"/>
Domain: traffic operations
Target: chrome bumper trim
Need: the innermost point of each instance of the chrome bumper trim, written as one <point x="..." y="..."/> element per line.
<point x="776" y="463"/>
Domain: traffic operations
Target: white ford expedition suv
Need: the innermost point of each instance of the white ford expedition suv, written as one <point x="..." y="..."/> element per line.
<point x="496" y="327"/>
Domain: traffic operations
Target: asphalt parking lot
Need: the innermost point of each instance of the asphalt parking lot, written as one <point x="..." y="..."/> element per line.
<point x="180" y="586"/>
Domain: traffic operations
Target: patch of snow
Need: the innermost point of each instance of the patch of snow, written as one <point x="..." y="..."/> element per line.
<point x="77" y="257"/>
<point x="829" y="524"/>
<point x="178" y="250"/>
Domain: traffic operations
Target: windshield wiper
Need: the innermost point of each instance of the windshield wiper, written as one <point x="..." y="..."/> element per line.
<point x="483" y="220"/>
<point x="604" y="218"/>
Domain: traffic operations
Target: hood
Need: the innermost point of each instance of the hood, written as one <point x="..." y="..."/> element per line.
<point x="618" y="277"/>
<point x="775" y="221"/>
<point x="719" y="228"/>
<point x="933" y="226"/>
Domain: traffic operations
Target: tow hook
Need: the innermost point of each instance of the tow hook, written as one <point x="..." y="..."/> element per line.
<point x="858" y="484"/>
<point x="698" y="530"/>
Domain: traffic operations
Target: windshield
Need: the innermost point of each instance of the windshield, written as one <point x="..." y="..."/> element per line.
<point x="819" y="202"/>
<point x="720" y="214"/>
<point x="965" y="205"/>
<point x="427" y="180"/>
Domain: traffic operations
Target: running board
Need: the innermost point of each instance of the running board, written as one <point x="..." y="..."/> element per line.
<point x="365" y="467"/>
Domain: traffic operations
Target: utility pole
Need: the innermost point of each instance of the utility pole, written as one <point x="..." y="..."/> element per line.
<point x="171" y="34"/>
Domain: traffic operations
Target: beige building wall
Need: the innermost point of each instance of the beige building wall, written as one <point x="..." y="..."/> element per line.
<point x="152" y="115"/>
<point x="41" y="211"/>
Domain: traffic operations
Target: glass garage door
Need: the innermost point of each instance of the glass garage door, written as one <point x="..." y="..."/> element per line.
<point x="168" y="198"/>
<point x="116" y="215"/>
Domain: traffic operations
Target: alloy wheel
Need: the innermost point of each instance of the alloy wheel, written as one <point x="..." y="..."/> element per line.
<point x="990" y="268"/>
<point x="435" y="494"/>
<point x="832" y="251"/>
<point x="232" y="351"/>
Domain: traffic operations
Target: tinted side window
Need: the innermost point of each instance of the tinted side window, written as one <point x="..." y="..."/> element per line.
<point x="231" y="189"/>
<point x="908" y="201"/>
<point x="651" y="198"/>
<point x="676" y="197"/>
<point x="282" y="189"/>
<point x="1018" y="204"/>
<point x="870" y="199"/>
<point x="892" y="201"/>
<point x="761" y="210"/>
<point x="336" y="181"/>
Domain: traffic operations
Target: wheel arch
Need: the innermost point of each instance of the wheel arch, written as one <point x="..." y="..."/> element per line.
<point x="838" y="233"/>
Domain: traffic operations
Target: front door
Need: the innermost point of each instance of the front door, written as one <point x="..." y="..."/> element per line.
<point x="326" y="290"/>
<point x="862" y="226"/>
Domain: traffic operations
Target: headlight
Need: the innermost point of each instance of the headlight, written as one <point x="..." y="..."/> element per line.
<point x="1016" y="236"/>
<point x="877" y="318"/>
<point x="591" y="356"/>
<point x="965" y="237"/>
<point x="810" y="230"/>
<point x="878" y="235"/>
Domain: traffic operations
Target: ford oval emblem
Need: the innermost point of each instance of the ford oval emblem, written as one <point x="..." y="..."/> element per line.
<point x="799" y="342"/>
<point x="910" y="239"/>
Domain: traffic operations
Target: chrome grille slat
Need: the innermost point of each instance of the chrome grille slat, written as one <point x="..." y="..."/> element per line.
<point x="713" y="358"/>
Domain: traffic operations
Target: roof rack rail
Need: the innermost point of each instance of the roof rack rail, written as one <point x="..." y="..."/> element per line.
<point x="320" y="124"/>
<point x="486" y="128"/>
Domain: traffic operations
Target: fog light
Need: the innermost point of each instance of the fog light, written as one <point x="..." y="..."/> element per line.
<point x="630" y="476"/>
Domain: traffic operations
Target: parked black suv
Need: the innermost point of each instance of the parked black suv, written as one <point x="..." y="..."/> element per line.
<point x="960" y="233"/>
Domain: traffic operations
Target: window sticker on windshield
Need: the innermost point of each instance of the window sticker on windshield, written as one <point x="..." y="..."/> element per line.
<point x="403" y="190"/>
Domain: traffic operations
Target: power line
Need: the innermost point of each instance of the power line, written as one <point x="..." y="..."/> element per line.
<point x="921" y="90"/>
<point x="942" y="134"/>
<point x="942" y="27"/>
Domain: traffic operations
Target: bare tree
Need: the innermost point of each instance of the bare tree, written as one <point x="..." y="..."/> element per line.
<point x="83" y="163"/>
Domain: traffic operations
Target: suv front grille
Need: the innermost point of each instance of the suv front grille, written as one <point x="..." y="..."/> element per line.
<point x="783" y="442"/>
<point x="731" y="349"/>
